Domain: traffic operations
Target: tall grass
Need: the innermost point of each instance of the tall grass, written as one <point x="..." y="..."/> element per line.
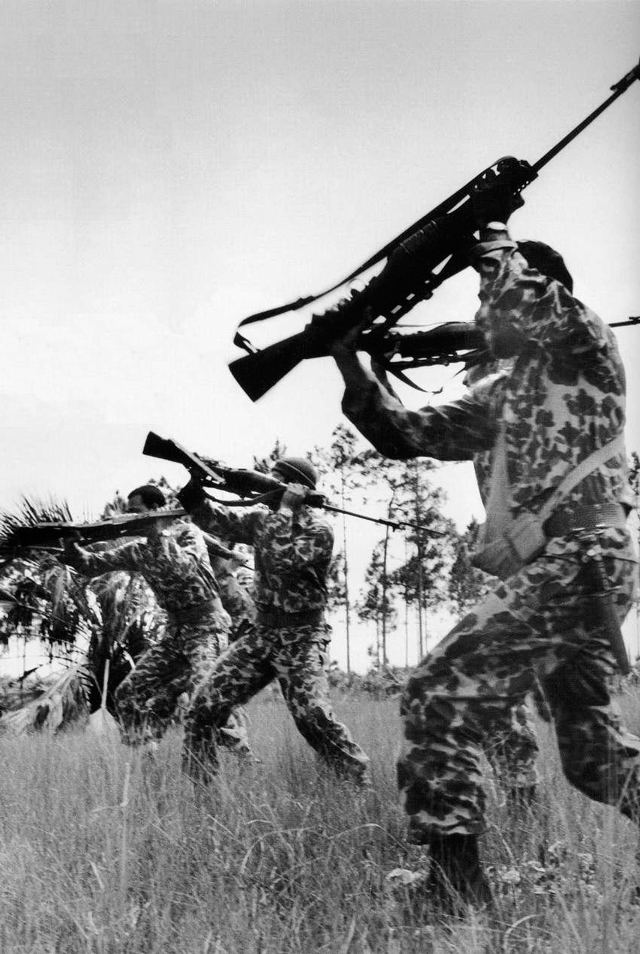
<point x="104" y="851"/>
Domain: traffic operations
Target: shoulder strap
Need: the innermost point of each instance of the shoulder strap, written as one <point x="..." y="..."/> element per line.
<point x="586" y="466"/>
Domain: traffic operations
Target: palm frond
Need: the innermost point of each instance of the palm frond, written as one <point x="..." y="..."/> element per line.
<point x="64" y="702"/>
<point x="125" y="601"/>
<point x="115" y="614"/>
<point x="28" y="513"/>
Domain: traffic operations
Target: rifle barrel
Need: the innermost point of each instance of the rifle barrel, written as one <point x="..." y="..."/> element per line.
<point x="619" y="88"/>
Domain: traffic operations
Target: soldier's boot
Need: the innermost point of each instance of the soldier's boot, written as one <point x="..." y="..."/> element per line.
<point x="456" y="877"/>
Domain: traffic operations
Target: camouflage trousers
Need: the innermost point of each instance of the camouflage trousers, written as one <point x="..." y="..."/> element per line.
<point x="148" y="699"/>
<point x="512" y="752"/>
<point x="540" y="623"/>
<point x="296" y="657"/>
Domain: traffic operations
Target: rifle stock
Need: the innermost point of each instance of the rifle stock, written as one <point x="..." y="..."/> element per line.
<point x="257" y="373"/>
<point x="166" y="449"/>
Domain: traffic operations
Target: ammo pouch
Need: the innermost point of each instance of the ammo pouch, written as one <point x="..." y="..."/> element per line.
<point x="525" y="538"/>
<point x="522" y="543"/>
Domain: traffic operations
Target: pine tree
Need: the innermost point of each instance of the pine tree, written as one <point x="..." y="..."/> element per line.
<point x="467" y="584"/>
<point x="343" y="473"/>
<point x="264" y="464"/>
<point x="378" y="602"/>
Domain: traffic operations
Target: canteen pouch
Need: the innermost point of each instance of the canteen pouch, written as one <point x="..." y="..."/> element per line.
<point x="522" y="543"/>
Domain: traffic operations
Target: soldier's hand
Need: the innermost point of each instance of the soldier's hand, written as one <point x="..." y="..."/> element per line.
<point x="494" y="200"/>
<point x="293" y="497"/>
<point x="192" y="494"/>
<point x="69" y="545"/>
<point x="238" y="559"/>
<point x="347" y="343"/>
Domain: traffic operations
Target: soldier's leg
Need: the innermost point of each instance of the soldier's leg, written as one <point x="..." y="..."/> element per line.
<point x="454" y="700"/>
<point x="234" y="734"/>
<point x="464" y="689"/>
<point x="482" y="668"/>
<point x="512" y="751"/>
<point x="534" y="623"/>
<point x="148" y="697"/>
<point x="237" y="675"/>
<point x="599" y="755"/>
<point x="203" y="643"/>
<point x="301" y="666"/>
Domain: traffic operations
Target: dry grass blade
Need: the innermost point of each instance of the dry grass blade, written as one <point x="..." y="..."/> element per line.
<point x="346" y="946"/>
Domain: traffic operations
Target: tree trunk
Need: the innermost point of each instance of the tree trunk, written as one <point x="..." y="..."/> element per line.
<point x="384" y="597"/>
<point x="420" y="587"/>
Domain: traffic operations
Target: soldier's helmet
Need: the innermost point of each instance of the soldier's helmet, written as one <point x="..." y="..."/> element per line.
<point x="297" y="470"/>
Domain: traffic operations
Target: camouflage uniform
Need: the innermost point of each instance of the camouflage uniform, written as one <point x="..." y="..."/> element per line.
<point x="292" y="554"/>
<point x="562" y="397"/>
<point x="176" y="566"/>
<point x="236" y="600"/>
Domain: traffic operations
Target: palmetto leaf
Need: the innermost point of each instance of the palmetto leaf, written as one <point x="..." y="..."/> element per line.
<point x="29" y="513"/>
<point x="95" y="615"/>
<point x="64" y="702"/>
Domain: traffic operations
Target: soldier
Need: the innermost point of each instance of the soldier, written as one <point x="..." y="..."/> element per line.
<point x="512" y="746"/>
<point x="292" y="551"/>
<point x="525" y="429"/>
<point x="175" y="563"/>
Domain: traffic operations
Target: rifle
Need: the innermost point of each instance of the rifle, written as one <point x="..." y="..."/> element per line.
<point x="418" y="260"/>
<point x="452" y="343"/>
<point x="47" y="535"/>
<point x="250" y="486"/>
<point x="603" y="600"/>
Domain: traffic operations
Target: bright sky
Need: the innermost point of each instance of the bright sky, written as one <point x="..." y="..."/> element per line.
<point x="169" y="166"/>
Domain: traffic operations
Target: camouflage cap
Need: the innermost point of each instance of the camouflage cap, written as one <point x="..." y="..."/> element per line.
<point x="547" y="261"/>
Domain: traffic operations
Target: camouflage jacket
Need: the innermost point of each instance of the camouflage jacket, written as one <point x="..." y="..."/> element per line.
<point x="562" y="396"/>
<point x="175" y="564"/>
<point x="292" y="552"/>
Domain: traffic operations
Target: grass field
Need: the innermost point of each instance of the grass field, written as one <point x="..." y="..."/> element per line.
<point x="104" y="851"/>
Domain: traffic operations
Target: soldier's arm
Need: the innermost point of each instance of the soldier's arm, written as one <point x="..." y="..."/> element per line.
<point x="126" y="556"/>
<point x="236" y="525"/>
<point x="454" y="431"/>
